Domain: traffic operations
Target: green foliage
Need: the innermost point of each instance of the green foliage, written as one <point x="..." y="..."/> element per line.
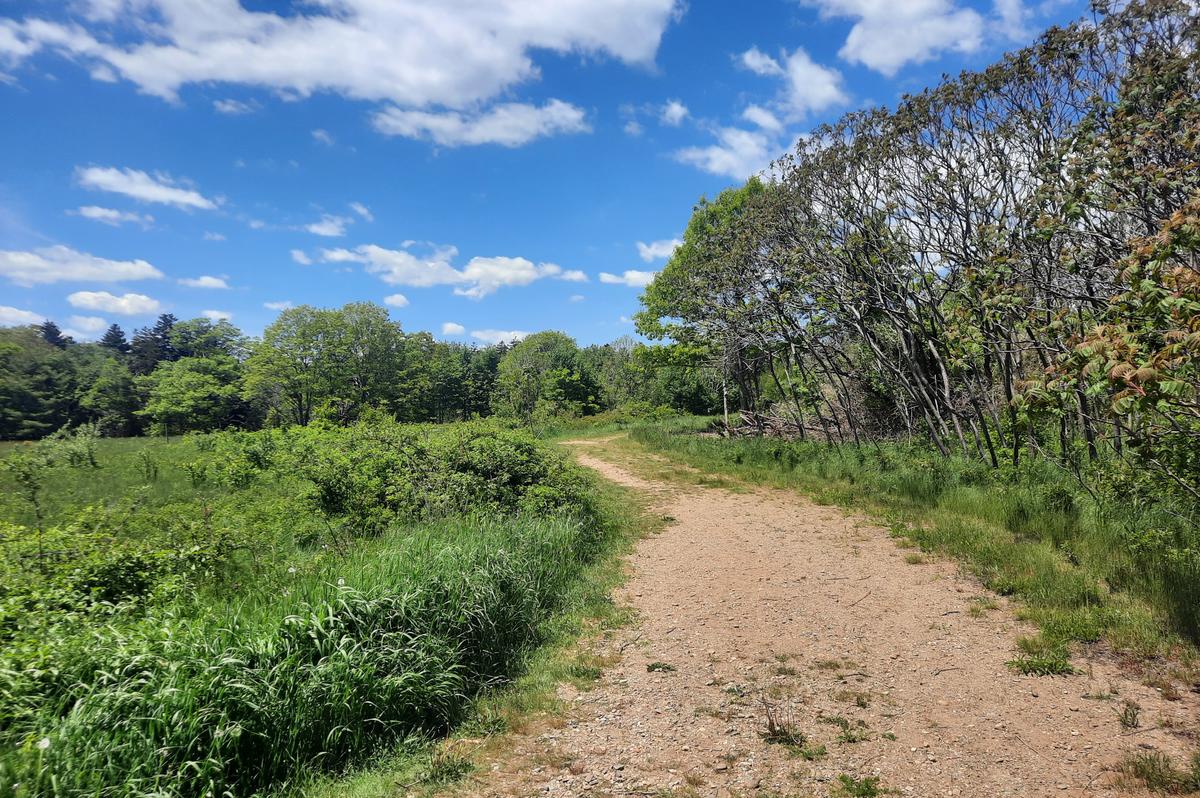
<point x="76" y="447"/>
<point x="112" y="400"/>
<point x="543" y="378"/>
<point x="27" y="469"/>
<point x="1042" y="656"/>
<point x="152" y="345"/>
<point x="382" y="471"/>
<point x="193" y="637"/>
<point x="878" y="287"/>
<point x="204" y="338"/>
<point x="38" y="383"/>
<point x="329" y="362"/>
<point x="332" y="365"/>
<point x="192" y="394"/>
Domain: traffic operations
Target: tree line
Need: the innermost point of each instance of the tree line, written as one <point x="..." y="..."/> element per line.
<point x="334" y="364"/>
<point x="1005" y="263"/>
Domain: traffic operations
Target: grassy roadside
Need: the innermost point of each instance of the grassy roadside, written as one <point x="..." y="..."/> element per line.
<point x="428" y="766"/>
<point x="261" y="608"/>
<point x="1033" y="536"/>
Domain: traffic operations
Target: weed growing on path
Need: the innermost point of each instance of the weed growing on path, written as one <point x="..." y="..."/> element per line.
<point x="1156" y="772"/>
<point x="780" y="726"/>
<point x="850" y="787"/>
<point x="1129" y="715"/>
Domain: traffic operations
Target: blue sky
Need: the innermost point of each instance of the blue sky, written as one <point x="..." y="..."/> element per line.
<point x="486" y="167"/>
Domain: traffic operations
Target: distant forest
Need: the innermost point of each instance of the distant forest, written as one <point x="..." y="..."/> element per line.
<point x="333" y="364"/>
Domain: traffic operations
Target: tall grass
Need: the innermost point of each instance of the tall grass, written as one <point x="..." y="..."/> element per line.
<point x="446" y="556"/>
<point x="395" y="639"/>
<point x="120" y="477"/>
<point x="1085" y="568"/>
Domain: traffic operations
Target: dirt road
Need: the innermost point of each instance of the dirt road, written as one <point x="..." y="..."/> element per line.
<point x="750" y="600"/>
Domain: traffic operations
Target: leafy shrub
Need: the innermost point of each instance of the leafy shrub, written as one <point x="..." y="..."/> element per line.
<point x="377" y="473"/>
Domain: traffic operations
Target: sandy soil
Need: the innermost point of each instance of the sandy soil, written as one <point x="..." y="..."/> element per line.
<point x="764" y="599"/>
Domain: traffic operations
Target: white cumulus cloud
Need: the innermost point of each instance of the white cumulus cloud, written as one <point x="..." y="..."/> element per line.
<point x="90" y="325"/>
<point x="657" y="249"/>
<point x="396" y="300"/>
<point x="125" y="304"/>
<point x="507" y="124"/>
<point x="112" y="217"/>
<point x="499" y="336"/>
<point x="808" y="86"/>
<point x="329" y="226"/>
<point x="757" y="115"/>
<point x="324" y="137"/>
<point x="413" y="53"/>
<point x="62" y="264"/>
<point x="233" y="107"/>
<point x="760" y="63"/>
<point x="135" y="183"/>
<point x="204" y="281"/>
<point x="486" y="275"/>
<point x="673" y="113"/>
<point x="737" y="153"/>
<point x="217" y="315"/>
<point x="452" y="328"/>
<point x="15" y="317"/>
<point x="299" y="257"/>
<point x="282" y="304"/>
<point x="888" y="35"/>
<point x="1012" y="17"/>
<point x="363" y="211"/>
<point x="478" y="278"/>
<point x="629" y="277"/>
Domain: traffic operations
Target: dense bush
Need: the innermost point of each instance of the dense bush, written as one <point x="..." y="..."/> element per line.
<point x="378" y="472"/>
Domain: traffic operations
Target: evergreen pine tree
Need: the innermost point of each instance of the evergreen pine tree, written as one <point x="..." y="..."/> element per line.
<point x="53" y="335"/>
<point x="114" y="339"/>
<point x="152" y="345"/>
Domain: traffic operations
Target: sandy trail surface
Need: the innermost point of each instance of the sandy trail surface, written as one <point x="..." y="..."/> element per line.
<point x="762" y="599"/>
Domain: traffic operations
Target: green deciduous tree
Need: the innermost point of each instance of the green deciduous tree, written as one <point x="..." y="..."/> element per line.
<point x="193" y="394"/>
<point x="112" y="400"/>
<point x="545" y="373"/>
<point x="336" y="362"/>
